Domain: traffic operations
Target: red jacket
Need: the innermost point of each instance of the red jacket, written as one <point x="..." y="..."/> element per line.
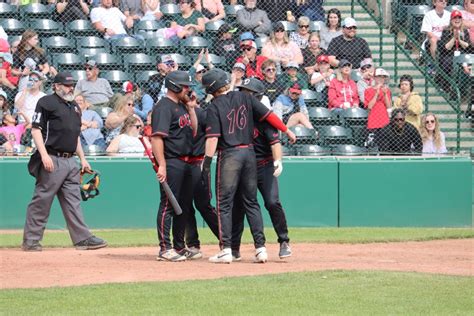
<point x="254" y="69"/>
<point x="340" y="92"/>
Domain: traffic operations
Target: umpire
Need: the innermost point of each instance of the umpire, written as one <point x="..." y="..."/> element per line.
<point x="56" y="129"/>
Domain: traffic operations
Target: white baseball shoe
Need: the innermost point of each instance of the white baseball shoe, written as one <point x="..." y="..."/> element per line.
<point x="224" y="256"/>
<point x="261" y="255"/>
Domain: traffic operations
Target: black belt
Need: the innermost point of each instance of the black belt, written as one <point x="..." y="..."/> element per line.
<point x="59" y="153"/>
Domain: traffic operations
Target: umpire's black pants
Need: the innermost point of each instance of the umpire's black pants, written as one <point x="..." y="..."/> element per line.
<point x="236" y="172"/>
<point x="268" y="187"/>
<point x="178" y="175"/>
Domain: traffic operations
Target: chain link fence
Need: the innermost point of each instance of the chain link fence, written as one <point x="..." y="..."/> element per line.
<point x="320" y="75"/>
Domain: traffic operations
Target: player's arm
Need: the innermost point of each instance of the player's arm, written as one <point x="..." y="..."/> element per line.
<point x="277" y="156"/>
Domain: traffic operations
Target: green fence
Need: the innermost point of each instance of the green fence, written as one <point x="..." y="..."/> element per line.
<point x="315" y="192"/>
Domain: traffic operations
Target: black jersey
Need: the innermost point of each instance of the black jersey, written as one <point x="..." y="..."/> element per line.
<point x="200" y="137"/>
<point x="59" y="122"/>
<point x="273" y="89"/>
<point x="231" y="118"/>
<point x="264" y="136"/>
<point x="171" y="121"/>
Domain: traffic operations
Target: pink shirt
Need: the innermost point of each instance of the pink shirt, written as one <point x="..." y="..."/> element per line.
<point x="13" y="133"/>
<point x="469" y="17"/>
<point x="212" y="5"/>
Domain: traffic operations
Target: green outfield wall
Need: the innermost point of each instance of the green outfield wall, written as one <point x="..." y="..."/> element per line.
<point x="431" y="192"/>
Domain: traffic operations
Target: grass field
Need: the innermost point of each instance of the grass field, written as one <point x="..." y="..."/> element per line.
<point x="147" y="237"/>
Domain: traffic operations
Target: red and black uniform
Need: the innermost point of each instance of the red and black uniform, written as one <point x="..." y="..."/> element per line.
<point x="172" y="122"/>
<point x="231" y="118"/>
<point x="201" y="191"/>
<point x="265" y="136"/>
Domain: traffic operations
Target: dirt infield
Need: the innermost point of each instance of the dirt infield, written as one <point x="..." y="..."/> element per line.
<point x="68" y="267"/>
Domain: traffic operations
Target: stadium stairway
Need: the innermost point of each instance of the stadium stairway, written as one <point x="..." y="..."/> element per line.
<point x="368" y="29"/>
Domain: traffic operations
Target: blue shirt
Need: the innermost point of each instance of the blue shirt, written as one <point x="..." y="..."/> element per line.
<point x="141" y="109"/>
<point x="92" y="134"/>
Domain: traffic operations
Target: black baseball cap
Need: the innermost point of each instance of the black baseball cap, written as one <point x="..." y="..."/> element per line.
<point x="225" y="28"/>
<point x="65" y="78"/>
<point x="278" y="26"/>
<point x="215" y="79"/>
<point x="254" y="85"/>
<point x="344" y="62"/>
<point x="180" y="77"/>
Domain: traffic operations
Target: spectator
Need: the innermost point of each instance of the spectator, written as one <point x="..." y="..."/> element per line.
<point x="367" y="73"/>
<point x="197" y="71"/>
<point x="14" y="46"/>
<point x="399" y="137"/>
<point x="123" y="108"/>
<point x="273" y="85"/>
<point x="213" y="10"/>
<point x="332" y="28"/>
<point x="156" y="87"/>
<point x="409" y="101"/>
<point x="252" y="62"/>
<point x="237" y="75"/>
<point x="313" y="9"/>
<point x="6" y="60"/>
<point x="143" y="102"/>
<point x="433" y="139"/>
<point x="3" y="34"/>
<point x="468" y="18"/>
<point x="348" y="45"/>
<point x="321" y="79"/>
<point x="189" y="17"/>
<point x="110" y="21"/>
<point x="26" y="99"/>
<point x="151" y="10"/>
<point x="311" y="53"/>
<point x="284" y="11"/>
<point x="454" y="41"/>
<point x="291" y="109"/>
<point x="127" y="142"/>
<point x="70" y="10"/>
<point x="378" y="100"/>
<point x="433" y="24"/>
<point x="132" y="9"/>
<point x="292" y="76"/>
<point x="226" y="45"/>
<point x="252" y="19"/>
<point x="4" y="106"/>
<point x="97" y="91"/>
<point x="342" y="92"/>
<point x="29" y="57"/>
<point x="91" y="124"/>
<point x="280" y="49"/>
<point x="301" y="37"/>
<point x="13" y="131"/>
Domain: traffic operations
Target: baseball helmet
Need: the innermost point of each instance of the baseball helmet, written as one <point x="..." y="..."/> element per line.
<point x="175" y="80"/>
<point x="215" y="79"/>
<point x="90" y="181"/>
<point x="254" y="85"/>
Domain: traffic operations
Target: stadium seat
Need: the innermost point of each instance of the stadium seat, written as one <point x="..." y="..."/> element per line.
<point x="194" y="44"/>
<point x="147" y="26"/>
<point x="331" y="135"/>
<point x="107" y="61"/>
<point x="260" y="41"/>
<point x="356" y="75"/>
<point x="181" y="60"/>
<point x="313" y="98"/>
<point x="160" y="45"/>
<point x="78" y="74"/>
<point x="8" y="11"/>
<point x="212" y="28"/>
<point x="288" y="151"/>
<point x="127" y="45"/>
<point x="80" y="28"/>
<point x="313" y="150"/>
<point x="231" y="12"/>
<point x="215" y="60"/>
<point x="289" y="26"/>
<point x="116" y="78"/>
<point x="349" y="150"/>
<point x="58" y="44"/>
<point x="35" y="11"/>
<point x="92" y="42"/>
<point x="104" y="111"/>
<point x="169" y="11"/>
<point x="12" y="26"/>
<point x="355" y="116"/>
<point x="93" y="150"/>
<point x="140" y="61"/>
<point x="321" y="117"/>
<point x="415" y="19"/>
<point x="47" y="27"/>
<point x="88" y="53"/>
<point x="67" y="61"/>
<point x="142" y="76"/>
<point x="304" y="135"/>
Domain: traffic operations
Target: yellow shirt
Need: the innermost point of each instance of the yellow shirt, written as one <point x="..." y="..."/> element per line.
<point x="415" y="105"/>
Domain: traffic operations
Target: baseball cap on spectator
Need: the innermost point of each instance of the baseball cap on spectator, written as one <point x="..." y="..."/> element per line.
<point x="366" y="62"/>
<point x="278" y="26"/>
<point x="91" y="63"/>
<point x="295" y="88"/>
<point x="167" y="59"/>
<point x="246" y="36"/>
<point x="65" y="78"/>
<point x="199" y="68"/>
<point x="381" y="72"/>
<point x="349" y="22"/>
<point x="3" y="94"/>
<point x="240" y="66"/>
<point x="292" y="64"/>
<point x="322" y="59"/>
<point x="225" y="28"/>
<point x="4" y="46"/>
<point x="128" y="87"/>
<point x="456" y="14"/>
<point x="344" y="62"/>
<point x="38" y="73"/>
<point x="7" y="57"/>
<point x="248" y="43"/>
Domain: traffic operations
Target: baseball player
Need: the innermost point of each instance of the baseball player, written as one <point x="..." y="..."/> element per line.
<point x="231" y="116"/>
<point x="56" y="129"/>
<point x="268" y="152"/>
<point x="173" y="124"/>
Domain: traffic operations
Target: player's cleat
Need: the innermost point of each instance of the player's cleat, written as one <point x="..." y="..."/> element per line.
<point x="285" y="250"/>
<point x="236" y="255"/>
<point x="170" y="255"/>
<point x="91" y="243"/>
<point x="261" y="255"/>
<point x="191" y="253"/>
<point x="31" y="245"/>
<point x="224" y="256"/>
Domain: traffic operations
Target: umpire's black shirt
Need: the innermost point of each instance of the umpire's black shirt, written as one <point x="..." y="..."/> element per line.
<point x="59" y="122"/>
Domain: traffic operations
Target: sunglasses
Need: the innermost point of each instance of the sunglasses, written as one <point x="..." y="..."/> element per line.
<point x="34" y="79"/>
<point x="88" y="68"/>
<point x="351" y="28"/>
<point x="202" y="72"/>
<point x="365" y="68"/>
<point x="279" y="30"/>
<point x="270" y="70"/>
<point x="399" y="119"/>
<point x="246" y="49"/>
<point x="429" y="122"/>
<point x="304" y="26"/>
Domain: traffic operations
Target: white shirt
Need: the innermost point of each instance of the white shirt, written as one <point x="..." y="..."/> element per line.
<point x="111" y="18"/>
<point x="430" y="148"/>
<point x="30" y="103"/>
<point x="435" y="24"/>
<point x="3" y="34"/>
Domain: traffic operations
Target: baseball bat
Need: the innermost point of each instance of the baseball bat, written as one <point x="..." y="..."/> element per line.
<point x="164" y="184"/>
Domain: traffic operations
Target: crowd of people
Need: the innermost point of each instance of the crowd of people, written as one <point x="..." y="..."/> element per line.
<point x="333" y="62"/>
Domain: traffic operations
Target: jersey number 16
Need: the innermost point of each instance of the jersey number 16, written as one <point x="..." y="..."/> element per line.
<point x="237" y="118"/>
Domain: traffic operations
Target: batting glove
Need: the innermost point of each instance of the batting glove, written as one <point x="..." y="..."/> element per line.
<point x="278" y="168"/>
